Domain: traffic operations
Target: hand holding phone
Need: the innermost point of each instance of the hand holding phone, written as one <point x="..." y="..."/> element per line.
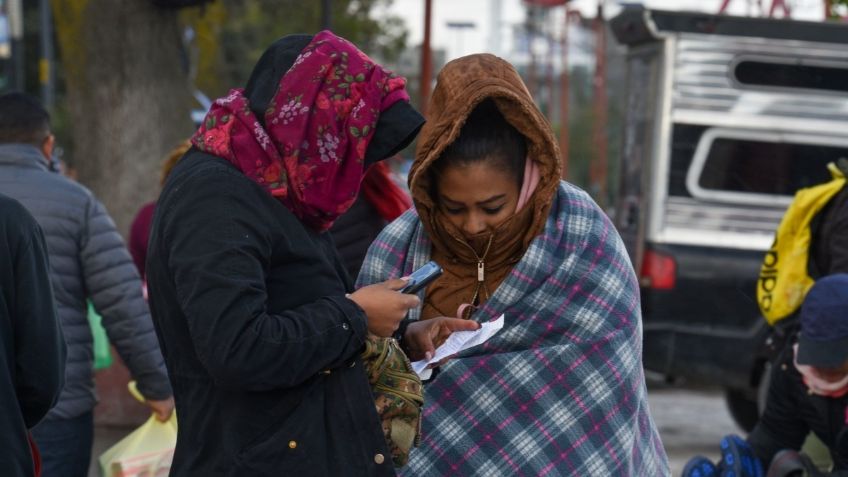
<point x="384" y="307"/>
<point x="422" y="277"/>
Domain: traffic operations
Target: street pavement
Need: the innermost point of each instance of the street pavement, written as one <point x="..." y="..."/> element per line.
<point x="690" y="423"/>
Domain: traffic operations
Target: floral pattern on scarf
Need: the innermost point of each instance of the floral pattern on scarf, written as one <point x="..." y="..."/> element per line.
<point x="310" y="153"/>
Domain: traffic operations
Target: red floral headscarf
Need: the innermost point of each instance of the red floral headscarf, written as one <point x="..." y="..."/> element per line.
<point x="310" y="154"/>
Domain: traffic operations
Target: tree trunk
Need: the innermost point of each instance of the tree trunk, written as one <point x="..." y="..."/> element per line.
<point x="128" y="96"/>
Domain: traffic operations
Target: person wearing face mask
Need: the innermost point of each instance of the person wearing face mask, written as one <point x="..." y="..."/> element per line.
<point x="809" y="385"/>
<point x="560" y="389"/>
<point x="808" y="392"/>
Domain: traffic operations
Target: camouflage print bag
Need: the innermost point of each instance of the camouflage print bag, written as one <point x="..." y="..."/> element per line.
<point x="397" y="395"/>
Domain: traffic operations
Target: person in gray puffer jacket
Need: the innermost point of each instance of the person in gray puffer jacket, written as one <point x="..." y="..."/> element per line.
<point x="88" y="261"/>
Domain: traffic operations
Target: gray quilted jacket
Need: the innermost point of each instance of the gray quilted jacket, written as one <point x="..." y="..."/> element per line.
<point x="89" y="260"/>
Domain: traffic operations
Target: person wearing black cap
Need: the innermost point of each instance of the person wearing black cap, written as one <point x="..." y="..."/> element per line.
<point x="258" y="320"/>
<point x="809" y="386"/>
<point x="808" y="392"/>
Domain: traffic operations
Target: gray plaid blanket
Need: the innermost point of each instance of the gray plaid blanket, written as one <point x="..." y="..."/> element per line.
<point x="560" y="389"/>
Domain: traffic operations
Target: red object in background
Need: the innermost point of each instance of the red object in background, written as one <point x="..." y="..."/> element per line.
<point x="659" y="272"/>
<point x="381" y="191"/>
<point x="775" y="4"/>
<point x="546" y="3"/>
<point x="36" y="455"/>
<point x="140" y="236"/>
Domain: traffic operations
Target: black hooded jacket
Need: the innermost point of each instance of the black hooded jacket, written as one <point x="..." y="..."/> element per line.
<point x="792" y="412"/>
<point x="261" y="345"/>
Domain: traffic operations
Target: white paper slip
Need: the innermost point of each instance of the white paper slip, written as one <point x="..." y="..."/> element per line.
<point x="456" y="342"/>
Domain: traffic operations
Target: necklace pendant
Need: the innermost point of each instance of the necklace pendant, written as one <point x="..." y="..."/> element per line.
<point x="481" y="271"/>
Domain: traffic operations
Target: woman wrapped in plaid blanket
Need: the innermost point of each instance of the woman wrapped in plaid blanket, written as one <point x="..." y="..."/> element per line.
<point x="560" y="390"/>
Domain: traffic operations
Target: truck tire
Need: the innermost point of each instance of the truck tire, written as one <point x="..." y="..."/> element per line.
<point x="746" y="406"/>
<point x="762" y="388"/>
<point x="743" y="408"/>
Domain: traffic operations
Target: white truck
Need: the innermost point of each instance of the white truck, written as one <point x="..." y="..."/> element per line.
<point x="726" y="117"/>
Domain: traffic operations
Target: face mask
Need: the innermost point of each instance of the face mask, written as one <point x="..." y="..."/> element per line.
<point x="818" y="385"/>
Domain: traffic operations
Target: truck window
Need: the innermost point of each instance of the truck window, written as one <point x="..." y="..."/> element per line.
<point x="803" y="74"/>
<point x="759" y="167"/>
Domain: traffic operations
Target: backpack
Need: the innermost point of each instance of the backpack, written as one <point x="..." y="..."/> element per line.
<point x="784" y="278"/>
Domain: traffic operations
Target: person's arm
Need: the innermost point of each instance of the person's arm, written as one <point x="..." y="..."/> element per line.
<point x="115" y="289"/>
<point x="40" y="350"/>
<point x="780" y="426"/>
<point x="218" y="249"/>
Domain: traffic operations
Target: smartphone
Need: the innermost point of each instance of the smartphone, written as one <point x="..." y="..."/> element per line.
<point x="422" y="277"/>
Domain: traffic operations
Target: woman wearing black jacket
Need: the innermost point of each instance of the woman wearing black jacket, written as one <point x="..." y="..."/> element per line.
<point x="246" y="288"/>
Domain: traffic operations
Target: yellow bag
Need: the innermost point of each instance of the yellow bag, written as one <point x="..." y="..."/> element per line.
<point x="784" y="281"/>
<point x="146" y="452"/>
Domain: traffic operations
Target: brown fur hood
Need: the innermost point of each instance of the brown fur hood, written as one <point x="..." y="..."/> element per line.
<point x="461" y="85"/>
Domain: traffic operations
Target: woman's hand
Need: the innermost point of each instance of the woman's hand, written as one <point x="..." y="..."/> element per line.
<point x="384" y="306"/>
<point x="424" y="336"/>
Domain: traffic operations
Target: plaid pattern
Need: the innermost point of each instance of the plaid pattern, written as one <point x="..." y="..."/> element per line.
<point x="560" y="390"/>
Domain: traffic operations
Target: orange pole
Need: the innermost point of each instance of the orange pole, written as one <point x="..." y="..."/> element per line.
<point x="426" y="59"/>
<point x="783" y="6"/>
<point x="531" y="75"/>
<point x="549" y="81"/>
<point x="533" y="27"/>
<point x="598" y="171"/>
<point x="563" y="99"/>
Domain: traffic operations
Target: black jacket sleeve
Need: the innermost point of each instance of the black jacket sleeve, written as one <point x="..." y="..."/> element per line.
<point x="39" y="345"/>
<point x="219" y="265"/>
<point x="780" y="426"/>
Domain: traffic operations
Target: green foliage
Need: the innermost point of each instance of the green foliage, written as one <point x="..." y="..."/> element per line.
<point x="242" y="29"/>
<point x="838" y="8"/>
<point x="580" y="123"/>
<point x="581" y="129"/>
